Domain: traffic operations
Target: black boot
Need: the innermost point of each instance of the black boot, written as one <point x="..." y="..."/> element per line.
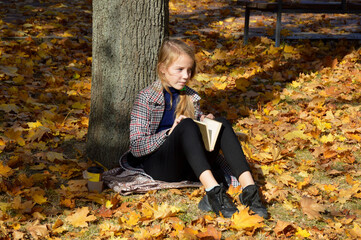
<point x="250" y="197"/>
<point x="218" y="201"/>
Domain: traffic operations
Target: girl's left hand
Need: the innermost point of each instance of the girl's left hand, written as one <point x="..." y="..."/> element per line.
<point x="210" y="116"/>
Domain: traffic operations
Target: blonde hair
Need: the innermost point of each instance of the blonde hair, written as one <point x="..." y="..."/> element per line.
<point x="169" y="52"/>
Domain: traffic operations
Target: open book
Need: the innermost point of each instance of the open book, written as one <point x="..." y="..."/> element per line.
<point x="209" y="129"/>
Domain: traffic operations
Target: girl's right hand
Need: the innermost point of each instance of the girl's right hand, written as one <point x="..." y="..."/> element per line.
<point x="176" y="122"/>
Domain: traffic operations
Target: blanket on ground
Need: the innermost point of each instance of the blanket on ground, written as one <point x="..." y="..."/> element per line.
<point x="128" y="180"/>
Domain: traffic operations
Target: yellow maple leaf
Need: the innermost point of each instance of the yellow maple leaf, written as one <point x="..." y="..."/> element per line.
<point x="327" y="139"/>
<point x="108" y="204"/>
<point x="220" y="86"/>
<point x="34" y="124"/>
<point x="295" y="84"/>
<point x="15" y="134"/>
<point x="242" y="220"/>
<point x="133" y="219"/>
<point x="78" y="105"/>
<point x="164" y="210"/>
<point x="289" y="49"/>
<point x="80" y="217"/>
<point x="37" y="133"/>
<point x="39" y="198"/>
<point x="322" y="125"/>
<point x="5" y="171"/>
<point x="329" y="188"/>
<point x="302" y="233"/>
<point x="296" y="134"/>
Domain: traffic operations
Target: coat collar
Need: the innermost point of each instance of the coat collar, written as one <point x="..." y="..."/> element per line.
<point x="157" y="93"/>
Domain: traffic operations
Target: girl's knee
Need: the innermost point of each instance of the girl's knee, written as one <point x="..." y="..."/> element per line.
<point x="223" y="120"/>
<point x="187" y="123"/>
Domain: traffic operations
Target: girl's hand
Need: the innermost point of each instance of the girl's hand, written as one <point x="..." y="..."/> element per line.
<point x="176" y="122"/>
<point x="210" y="116"/>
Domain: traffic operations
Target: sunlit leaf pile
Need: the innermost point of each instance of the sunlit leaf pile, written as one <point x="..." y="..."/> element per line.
<point x="296" y="110"/>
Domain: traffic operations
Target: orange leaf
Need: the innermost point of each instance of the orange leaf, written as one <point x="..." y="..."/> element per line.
<point x="210" y="233"/>
<point x="58" y="223"/>
<point x="243" y="220"/>
<point x="70" y="203"/>
<point x="104" y="212"/>
<point x="284" y="228"/>
<point x="2" y="145"/>
<point x="234" y="191"/>
<point x="350" y="180"/>
<point x="311" y="208"/>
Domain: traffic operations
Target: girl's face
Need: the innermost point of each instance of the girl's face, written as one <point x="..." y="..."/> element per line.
<point x="179" y="72"/>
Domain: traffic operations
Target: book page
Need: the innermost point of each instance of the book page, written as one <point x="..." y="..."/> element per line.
<point x="205" y="134"/>
<point x="209" y="129"/>
<point x="213" y="127"/>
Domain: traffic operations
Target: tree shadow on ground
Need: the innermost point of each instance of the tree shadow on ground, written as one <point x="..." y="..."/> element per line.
<point x="275" y="68"/>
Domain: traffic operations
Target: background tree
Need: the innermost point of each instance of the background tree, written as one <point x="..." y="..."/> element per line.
<point x="126" y="39"/>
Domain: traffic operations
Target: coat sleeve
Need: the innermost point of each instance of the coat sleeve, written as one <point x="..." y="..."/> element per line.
<point x="142" y="140"/>
<point x="198" y="112"/>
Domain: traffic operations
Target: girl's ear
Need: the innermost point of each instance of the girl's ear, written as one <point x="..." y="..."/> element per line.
<point x="162" y="68"/>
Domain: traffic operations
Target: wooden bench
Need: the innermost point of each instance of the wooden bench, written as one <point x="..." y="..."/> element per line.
<point x="295" y="6"/>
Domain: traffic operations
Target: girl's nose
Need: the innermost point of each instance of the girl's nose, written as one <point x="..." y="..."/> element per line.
<point x="186" y="74"/>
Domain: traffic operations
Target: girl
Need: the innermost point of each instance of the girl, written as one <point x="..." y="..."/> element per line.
<point x="167" y="143"/>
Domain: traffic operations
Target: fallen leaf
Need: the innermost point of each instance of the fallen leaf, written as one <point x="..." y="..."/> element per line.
<point x="38" y="231"/>
<point x="164" y="210"/>
<point x="284" y="228"/>
<point x="15" y="134"/>
<point x="311" y="208"/>
<point x="80" y="217"/>
<point x="242" y="220"/>
<point x="355" y="231"/>
<point x="5" y="171"/>
<point x="210" y="233"/>
<point x="302" y="233"/>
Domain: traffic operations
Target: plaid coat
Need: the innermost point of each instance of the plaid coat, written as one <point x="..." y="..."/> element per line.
<point x="146" y="116"/>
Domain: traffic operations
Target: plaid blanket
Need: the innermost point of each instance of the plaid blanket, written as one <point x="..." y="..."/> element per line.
<point x="128" y="180"/>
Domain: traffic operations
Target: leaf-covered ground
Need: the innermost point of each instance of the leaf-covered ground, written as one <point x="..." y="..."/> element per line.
<point x="296" y="109"/>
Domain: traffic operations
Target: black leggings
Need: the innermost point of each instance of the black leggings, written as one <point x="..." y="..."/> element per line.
<point x="183" y="156"/>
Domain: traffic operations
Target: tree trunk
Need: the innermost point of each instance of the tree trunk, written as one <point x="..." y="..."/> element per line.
<point x="126" y="39"/>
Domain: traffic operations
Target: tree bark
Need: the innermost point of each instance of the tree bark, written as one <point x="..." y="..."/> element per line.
<point x="126" y="38"/>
